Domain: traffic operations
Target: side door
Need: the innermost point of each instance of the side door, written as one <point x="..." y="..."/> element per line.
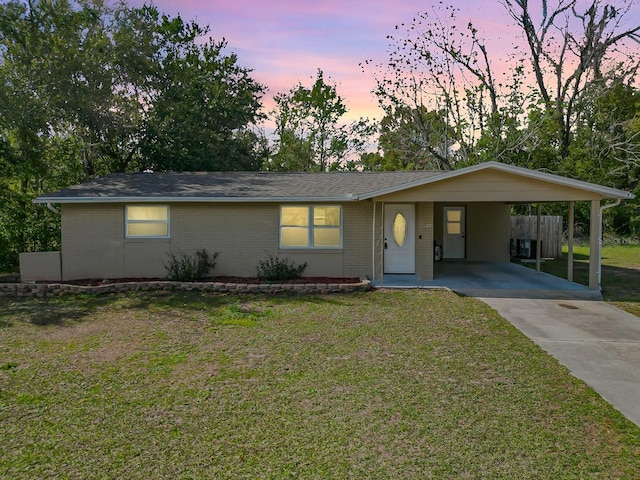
<point x="453" y="243"/>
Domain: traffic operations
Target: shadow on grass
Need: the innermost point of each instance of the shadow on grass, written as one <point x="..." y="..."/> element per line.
<point x="71" y="309"/>
<point x="578" y="257"/>
<point x="619" y="284"/>
<point x="53" y="311"/>
<point x="199" y="300"/>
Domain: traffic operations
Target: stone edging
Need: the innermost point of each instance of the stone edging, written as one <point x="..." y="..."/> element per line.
<point x="56" y="289"/>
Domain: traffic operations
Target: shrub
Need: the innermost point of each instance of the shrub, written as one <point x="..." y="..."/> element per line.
<point x="190" y="267"/>
<point x="279" y="269"/>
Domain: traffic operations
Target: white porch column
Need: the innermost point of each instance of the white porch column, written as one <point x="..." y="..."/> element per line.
<point x="538" y="239"/>
<point x="373" y="245"/>
<point x="594" y="244"/>
<point x="570" y="247"/>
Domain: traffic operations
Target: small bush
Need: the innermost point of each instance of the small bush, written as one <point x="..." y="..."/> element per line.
<point x="279" y="269"/>
<point x="190" y="267"/>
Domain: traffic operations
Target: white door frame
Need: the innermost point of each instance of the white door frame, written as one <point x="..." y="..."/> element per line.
<point x="400" y="248"/>
<point x="454" y="232"/>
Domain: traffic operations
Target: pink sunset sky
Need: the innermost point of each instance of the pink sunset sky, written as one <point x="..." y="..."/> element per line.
<point x="285" y="41"/>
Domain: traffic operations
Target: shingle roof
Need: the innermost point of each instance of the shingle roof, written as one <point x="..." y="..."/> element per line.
<point x="282" y="187"/>
<point x="238" y="186"/>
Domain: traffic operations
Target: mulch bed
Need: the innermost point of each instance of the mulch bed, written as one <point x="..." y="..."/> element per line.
<point x="299" y="280"/>
<point x="222" y="279"/>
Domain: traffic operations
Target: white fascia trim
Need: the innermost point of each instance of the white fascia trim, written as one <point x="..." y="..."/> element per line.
<point x="606" y="192"/>
<point x="59" y="200"/>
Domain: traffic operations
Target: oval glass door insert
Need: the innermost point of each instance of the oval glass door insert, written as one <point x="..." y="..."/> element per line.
<point x="399" y="229"/>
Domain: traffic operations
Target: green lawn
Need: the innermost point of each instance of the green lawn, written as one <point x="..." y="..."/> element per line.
<point x="620" y="273"/>
<point x="403" y="384"/>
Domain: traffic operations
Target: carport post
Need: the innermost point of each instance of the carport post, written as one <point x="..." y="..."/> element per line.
<point x="570" y="239"/>
<point x="538" y="239"/>
<point x="594" y="244"/>
<point x="373" y="245"/>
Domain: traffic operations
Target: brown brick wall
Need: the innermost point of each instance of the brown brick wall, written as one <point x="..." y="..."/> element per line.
<point x="94" y="245"/>
<point x="424" y="245"/>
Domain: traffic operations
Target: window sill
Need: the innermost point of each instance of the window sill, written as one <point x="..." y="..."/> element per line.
<point x="147" y="239"/>
<point x="290" y="250"/>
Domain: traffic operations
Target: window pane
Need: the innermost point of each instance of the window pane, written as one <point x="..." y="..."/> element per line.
<point x="399" y="229"/>
<point x="298" y="216"/>
<point x="326" y="237"/>
<point x="453" y="228"/>
<point x="148" y="212"/>
<point x="294" y="237"/>
<point x="454" y="215"/>
<point x="147" y="230"/>
<point x="329" y="216"/>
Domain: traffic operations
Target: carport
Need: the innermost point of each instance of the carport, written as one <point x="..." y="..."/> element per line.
<point x="467" y="212"/>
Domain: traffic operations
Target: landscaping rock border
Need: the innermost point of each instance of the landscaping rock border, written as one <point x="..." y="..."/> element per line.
<point x="55" y="289"/>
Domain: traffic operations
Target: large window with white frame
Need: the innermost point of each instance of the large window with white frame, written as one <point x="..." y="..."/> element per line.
<point x="147" y="221"/>
<point x="311" y="226"/>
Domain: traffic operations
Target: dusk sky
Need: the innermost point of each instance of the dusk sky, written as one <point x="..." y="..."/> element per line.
<point x="286" y="41"/>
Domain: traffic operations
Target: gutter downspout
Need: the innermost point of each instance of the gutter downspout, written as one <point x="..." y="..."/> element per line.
<point x="53" y="209"/>
<point x="602" y="208"/>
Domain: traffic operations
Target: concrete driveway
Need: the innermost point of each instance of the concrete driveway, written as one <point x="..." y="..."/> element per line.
<point x="597" y="342"/>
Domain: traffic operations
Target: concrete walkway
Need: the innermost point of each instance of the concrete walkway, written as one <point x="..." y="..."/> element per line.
<point x="597" y="342"/>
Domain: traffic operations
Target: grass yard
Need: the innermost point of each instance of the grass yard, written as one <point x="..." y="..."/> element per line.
<point x="620" y="273"/>
<point x="387" y="384"/>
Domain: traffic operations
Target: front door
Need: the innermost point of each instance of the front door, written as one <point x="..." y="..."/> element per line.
<point x="453" y="244"/>
<point x="399" y="239"/>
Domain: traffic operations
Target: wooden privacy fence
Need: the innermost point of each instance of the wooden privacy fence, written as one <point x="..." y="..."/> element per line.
<point x="524" y="228"/>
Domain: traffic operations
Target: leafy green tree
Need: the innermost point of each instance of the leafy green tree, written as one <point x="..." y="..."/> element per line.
<point x="309" y="135"/>
<point x="202" y="112"/>
<point x="87" y="88"/>
<point x="415" y="138"/>
<point x="606" y="149"/>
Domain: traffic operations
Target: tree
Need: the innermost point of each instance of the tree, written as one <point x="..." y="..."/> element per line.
<point x="309" y="135"/>
<point x="439" y="63"/>
<point x="201" y="113"/>
<point x="88" y="89"/>
<point x="572" y="52"/>
<point x="606" y="149"/>
<point x="415" y="138"/>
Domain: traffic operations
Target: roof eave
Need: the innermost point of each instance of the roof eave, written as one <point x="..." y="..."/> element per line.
<point x="606" y="192"/>
<point x="129" y="199"/>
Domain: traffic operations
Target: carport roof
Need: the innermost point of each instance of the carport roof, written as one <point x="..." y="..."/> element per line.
<point x="281" y="187"/>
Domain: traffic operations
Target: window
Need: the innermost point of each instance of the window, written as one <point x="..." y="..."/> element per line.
<point x="454" y="222"/>
<point x="311" y="226"/>
<point x="147" y="221"/>
<point x="399" y="229"/>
